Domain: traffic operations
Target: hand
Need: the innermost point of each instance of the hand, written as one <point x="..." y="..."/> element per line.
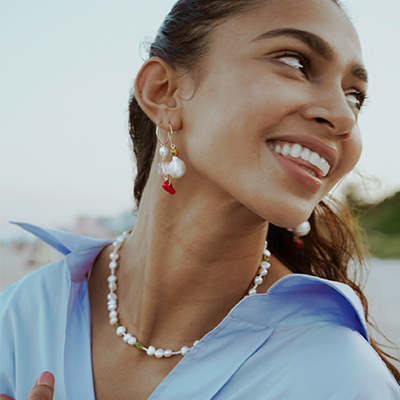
<point x="42" y="389"/>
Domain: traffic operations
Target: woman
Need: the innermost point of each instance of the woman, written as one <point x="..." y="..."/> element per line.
<point x="257" y="104"/>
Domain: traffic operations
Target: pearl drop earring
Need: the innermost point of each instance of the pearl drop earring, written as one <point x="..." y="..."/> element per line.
<point x="301" y="230"/>
<point x="177" y="167"/>
<point x="163" y="166"/>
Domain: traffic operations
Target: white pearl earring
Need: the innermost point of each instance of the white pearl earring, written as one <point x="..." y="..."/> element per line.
<point x="301" y="230"/>
<point x="177" y="168"/>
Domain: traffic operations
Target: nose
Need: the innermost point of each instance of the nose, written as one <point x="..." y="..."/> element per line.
<point x="332" y="111"/>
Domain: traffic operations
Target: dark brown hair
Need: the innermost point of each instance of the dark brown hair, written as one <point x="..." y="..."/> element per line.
<point x="182" y="41"/>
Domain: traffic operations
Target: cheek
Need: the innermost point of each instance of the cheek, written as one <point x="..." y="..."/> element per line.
<point x="349" y="155"/>
<point x="351" y="151"/>
<point x="237" y="110"/>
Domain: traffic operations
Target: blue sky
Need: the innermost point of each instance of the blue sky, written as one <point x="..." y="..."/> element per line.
<point x="67" y="69"/>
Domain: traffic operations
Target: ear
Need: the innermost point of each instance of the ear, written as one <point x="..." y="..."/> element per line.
<point x="156" y="90"/>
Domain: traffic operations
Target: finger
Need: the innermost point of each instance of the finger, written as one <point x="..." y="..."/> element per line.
<point x="43" y="389"/>
<point x="5" y="397"/>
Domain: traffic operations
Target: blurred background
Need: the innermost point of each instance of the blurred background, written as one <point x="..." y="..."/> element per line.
<point x="67" y="69"/>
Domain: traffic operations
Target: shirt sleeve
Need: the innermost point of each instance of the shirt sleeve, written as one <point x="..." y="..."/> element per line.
<point x="32" y="328"/>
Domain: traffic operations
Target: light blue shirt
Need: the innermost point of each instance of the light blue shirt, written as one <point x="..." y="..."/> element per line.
<point x="305" y="339"/>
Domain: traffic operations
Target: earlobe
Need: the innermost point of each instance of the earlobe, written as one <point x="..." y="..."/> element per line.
<point x="155" y="90"/>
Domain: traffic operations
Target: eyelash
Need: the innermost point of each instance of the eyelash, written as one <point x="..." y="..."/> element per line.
<point x="305" y="61"/>
<point x="361" y="96"/>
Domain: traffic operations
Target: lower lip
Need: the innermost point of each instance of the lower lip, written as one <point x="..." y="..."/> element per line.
<point x="298" y="173"/>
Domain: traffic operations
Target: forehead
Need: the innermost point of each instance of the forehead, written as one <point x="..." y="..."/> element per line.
<point x="321" y="17"/>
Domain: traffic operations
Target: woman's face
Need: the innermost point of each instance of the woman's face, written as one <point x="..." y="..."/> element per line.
<point x="273" y="121"/>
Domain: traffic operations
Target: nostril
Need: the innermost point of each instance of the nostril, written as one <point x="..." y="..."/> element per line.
<point x="345" y="136"/>
<point x="319" y="119"/>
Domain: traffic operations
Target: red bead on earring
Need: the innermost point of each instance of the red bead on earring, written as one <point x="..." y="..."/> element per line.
<point x="299" y="243"/>
<point x="301" y="230"/>
<point x="167" y="186"/>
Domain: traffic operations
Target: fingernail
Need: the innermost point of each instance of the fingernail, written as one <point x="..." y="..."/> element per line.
<point x="46" y="378"/>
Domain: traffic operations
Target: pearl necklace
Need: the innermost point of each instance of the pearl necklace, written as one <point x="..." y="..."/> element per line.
<point x="112" y="301"/>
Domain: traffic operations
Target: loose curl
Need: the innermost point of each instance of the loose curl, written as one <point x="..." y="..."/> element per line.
<point x="334" y="241"/>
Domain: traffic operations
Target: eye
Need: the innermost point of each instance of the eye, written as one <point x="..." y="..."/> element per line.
<point x="293" y="60"/>
<point x="356" y="99"/>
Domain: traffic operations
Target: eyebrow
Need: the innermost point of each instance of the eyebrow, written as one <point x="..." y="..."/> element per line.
<point x="315" y="43"/>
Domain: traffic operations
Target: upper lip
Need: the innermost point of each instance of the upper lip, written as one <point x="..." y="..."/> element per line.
<point x="325" y="150"/>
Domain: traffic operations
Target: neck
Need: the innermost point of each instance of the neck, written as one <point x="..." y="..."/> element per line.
<point x="190" y="258"/>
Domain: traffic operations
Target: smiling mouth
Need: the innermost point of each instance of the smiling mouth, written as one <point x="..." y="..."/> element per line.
<point x="307" y="159"/>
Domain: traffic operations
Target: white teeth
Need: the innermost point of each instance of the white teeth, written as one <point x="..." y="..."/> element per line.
<point x="323" y="166"/>
<point x="314" y="159"/>
<point x="295" y="151"/>
<point x="305" y="154"/>
<point x="309" y="170"/>
<point x="285" y="149"/>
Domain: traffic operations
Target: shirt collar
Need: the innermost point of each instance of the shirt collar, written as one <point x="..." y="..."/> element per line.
<point x="299" y="299"/>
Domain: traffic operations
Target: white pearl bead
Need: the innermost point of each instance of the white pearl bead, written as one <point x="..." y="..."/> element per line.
<point x="114" y="256"/>
<point x="112" y="307"/>
<point x="121" y="330"/>
<point x="184" y="350"/>
<point x="177" y="167"/>
<point x="113" y="320"/>
<point x="194" y="344"/>
<point x="252" y="291"/>
<point x="117" y="245"/>
<point x="112" y="278"/>
<point x="112" y="286"/>
<point x="113" y="314"/>
<point x="120" y="239"/>
<point x="263" y="272"/>
<point x="258" y="280"/>
<point x="159" y="353"/>
<point x="265" y="264"/>
<point x="127" y="336"/>
<point x="168" y="353"/>
<point x="132" y="340"/>
<point x="267" y="252"/>
<point x="303" y="229"/>
<point x="112" y="296"/>
<point x="113" y="265"/>
<point x="163" y="151"/>
<point x="151" y="350"/>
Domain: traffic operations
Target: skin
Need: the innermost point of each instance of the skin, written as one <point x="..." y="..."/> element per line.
<point x="192" y="256"/>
